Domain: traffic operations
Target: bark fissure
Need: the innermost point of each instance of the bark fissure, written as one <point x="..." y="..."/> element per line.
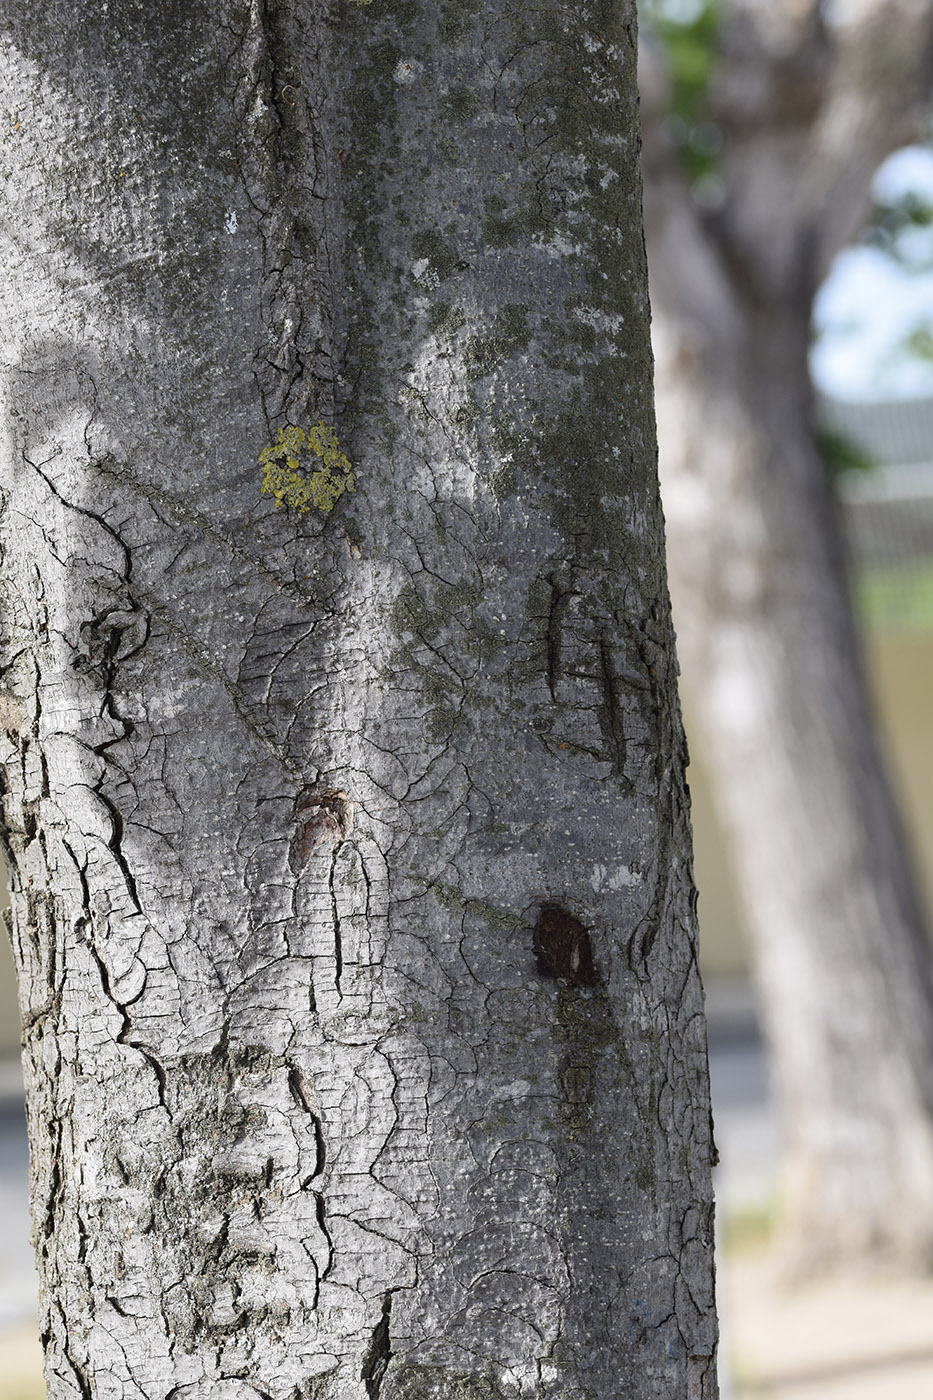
<point x="335" y="914"/>
<point x="302" y="1096"/>
<point x="560" y="597"/>
<point x="379" y="1353"/>
<point x="611" y="712"/>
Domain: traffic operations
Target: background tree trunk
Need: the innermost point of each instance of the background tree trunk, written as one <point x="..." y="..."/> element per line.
<point x="315" y="1117"/>
<point x="767" y="638"/>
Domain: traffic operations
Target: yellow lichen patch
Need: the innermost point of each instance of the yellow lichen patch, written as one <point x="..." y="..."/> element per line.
<point x="322" y="488"/>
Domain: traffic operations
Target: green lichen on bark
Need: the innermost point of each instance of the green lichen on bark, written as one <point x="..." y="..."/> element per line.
<point x="445" y="320"/>
<point x="323" y="487"/>
<point x="585" y="1030"/>
<point x="420" y="1382"/>
<point x="451" y="898"/>
<point x="427" y="244"/>
<point x="510" y="334"/>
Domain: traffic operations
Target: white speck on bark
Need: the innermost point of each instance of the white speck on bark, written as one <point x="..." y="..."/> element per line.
<point x="407" y="70"/>
<point x="619" y="879"/>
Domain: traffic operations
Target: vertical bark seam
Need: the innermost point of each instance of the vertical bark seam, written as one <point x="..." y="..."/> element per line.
<point x="379" y="1352"/>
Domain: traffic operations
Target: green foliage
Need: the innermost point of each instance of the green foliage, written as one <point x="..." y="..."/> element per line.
<point x="902" y="229"/>
<point x="895" y="246"/>
<point x="840" y="454"/>
<point x="282" y="476"/>
<point x="920" y="343"/>
<point x="897" y="597"/>
<point x="689" y="30"/>
<point x="896" y="229"/>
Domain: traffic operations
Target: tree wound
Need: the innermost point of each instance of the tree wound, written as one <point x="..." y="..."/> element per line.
<point x="322" y="817"/>
<point x="563" y="948"/>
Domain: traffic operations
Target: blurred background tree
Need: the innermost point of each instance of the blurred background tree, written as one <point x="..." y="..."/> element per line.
<point x="765" y="122"/>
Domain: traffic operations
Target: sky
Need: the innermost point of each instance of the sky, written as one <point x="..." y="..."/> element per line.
<point x="870" y="304"/>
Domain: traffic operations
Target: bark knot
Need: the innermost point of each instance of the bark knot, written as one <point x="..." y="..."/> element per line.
<point x="322" y="817"/>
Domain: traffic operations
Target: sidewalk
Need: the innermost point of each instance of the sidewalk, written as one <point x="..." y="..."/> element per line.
<point x="20" y="1355"/>
<point x="852" y="1339"/>
<point x="857" y="1338"/>
<point x="21" y="1364"/>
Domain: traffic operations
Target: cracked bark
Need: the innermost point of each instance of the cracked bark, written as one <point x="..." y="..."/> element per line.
<point x="320" y="1128"/>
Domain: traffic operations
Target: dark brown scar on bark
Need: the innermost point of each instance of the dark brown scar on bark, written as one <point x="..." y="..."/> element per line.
<point x="563" y="948"/>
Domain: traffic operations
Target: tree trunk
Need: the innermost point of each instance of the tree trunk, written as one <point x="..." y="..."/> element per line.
<point x="772" y="667"/>
<point x="352" y="895"/>
<point x="807" y="101"/>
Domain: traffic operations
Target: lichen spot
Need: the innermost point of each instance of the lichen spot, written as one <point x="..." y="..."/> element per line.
<point x="321" y="488"/>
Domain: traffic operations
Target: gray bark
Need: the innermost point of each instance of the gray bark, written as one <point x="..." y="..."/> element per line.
<point x="769" y="646"/>
<point x="314" y="1110"/>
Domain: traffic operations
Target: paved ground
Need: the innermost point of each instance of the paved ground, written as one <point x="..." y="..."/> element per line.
<point x="20" y="1358"/>
<point x="848" y="1339"/>
<point x="852" y="1339"/>
<point x="17" y="1275"/>
<point x="859" y="1339"/>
